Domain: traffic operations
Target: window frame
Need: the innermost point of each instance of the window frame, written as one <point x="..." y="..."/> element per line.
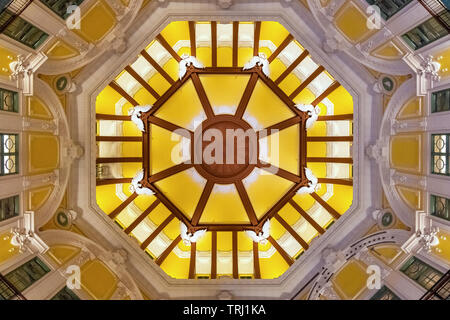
<point x="425" y="270"/>
<point x="16" y="200"/>
<point x="16" y="154"/>
<point x="442" y="154"/>
<point x="433" y="99"/>
<point x="16" y="102"/>
<point x="383" y="14"/>
<point x="433" y="201"/>
<point x="59" y="14"/>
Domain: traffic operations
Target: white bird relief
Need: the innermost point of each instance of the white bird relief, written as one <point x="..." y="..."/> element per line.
<point x="188" y="237"/>
<point x="136" y="114"/>
<point x="262" y="236"/>
<point x="187" y="60"/>
<point x="136" y="185"/>
<point x="260" y="60"/>
<point x="311" y="111"/>
<point x="312" y="183"/>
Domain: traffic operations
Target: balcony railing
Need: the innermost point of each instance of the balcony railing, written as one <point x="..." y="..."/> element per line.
<point x="440" y="290"/>
<point x="439" y="10"/>
<point x="8" y="290"/>
<point x="10" y="10"/>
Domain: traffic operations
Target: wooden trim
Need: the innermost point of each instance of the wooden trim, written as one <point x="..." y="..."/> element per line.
<point x="113" y="117"/>
<point x="281" y="47"/>
<point x="157" y="231"/>
<point x="331" y="160"/>
<point x="283" y="253"/>
<point x="192" y="261"/>
<point x="279" y="172"/>
<point x="345" y="182"/>
<point x="307" y="81"/>
<point x="104" y="182"/>
<point x="292" y="66"/>
<point x="118" y="139"/>
<point x="123" y="93"/>
<point x="326" y="93"/>
<point x="192" y="38"/>
<point x="171" y="207"/>
<point x="169" y="126"/>
<point x="246" y="202"/>
<point x="235" y="42"/>
<point x="224" y="70"/>
<point x="256" y="266"/>
<point x="256" y="36"/>
<point x="293" y="233"/>
<point x="201" y="204"/>
<point x="168" y="47"/>
<point x="169" y="172"/>
<point x="307" y="217"/>
<point x="202" y="95"/>
<point x="336" y="117"/>
<point x="157" y="67"/>
<point x="141" y="217"/>
<point x="142" y="82"/>
<point x="329" y="138"/>
<point x="327" y="207"/>
<point x="169" y="93"/>
<point x="246" y="96"/>
<point x="235" y="256"/>
<point x="122" y="206"/>
<point x="214" y="43"/>
<point x="213" y="254"/>
<point x="168" y="250"/>
<point x="119" y="160"/>
<point x="281" y="125"/>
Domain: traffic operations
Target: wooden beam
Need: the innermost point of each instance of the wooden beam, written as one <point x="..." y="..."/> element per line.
<point x="336" y="117"/>
<point x="307" y="81"/>
<point x="345" y="182"/>
<point x="202" y="95"/>
<point x="235" y="256"/>
<point x="169" y="172"/>
<point x="119" y="160"/>
<point x="327" y="207"/>
<point x="331" y="160"/>
<point x="307" y="217"/>
<point x="192" y="38"/>
<point x="279" y="172"/>
<point x="142" y="216"/>
<point x="142" y="82"/>
<point x="293" y="233"/>
<point x="281" y="47"/>
<point x="246" y="202"/>
<point x="113" y="117"/>
<point x="168" y="250"/>
<point x="246" y="96"/>
<point x="118" y="139"/>
<point x="292" y="66"/>
<point x="201" y="204"/>
<point x="256" y="267"/>
<point x="235" y="42"/>
<point x="329" y="138"/>
<point x="224" y="70"/>
<point x="155" y="233"/>
<point x="192" y="261"/>
<point x="280" y="126"/>
<point x="327" y="92"/>
<point x="171" y="207"/>
<point x="283" y="253"/>
<point x="157" y="67"/>
<point x="214" y="43"/>
<point x="213" y="254"/>
<point x="170" y="126"/>
<point x="122" y="206"/>
<point x="123" y="93"/>
<point x="168" y="47"/>
<point x="104" y="182"/>
<point x="169" y="93"/>
<point x="256" y="37"/>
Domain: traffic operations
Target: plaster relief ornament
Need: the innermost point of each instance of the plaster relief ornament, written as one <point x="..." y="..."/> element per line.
<point x="312" y="111"/>
<point x="428" y="238"/>
<point x="431" y="68"/>
<point x="136" y="114"/>
<point x="259" y="60"/>
<point x="136" y="185"/>
<point x="312" y="183"/>
<point x="188" y="237"/>
<point x="186" y="61"/>
<point x="262" y="236"/>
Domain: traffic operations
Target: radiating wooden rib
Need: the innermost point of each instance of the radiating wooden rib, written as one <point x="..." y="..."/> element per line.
<point x="307" y="81"/>
<point x="169" y="93"/>
<point x="327" y="92"/>
<point x="280" y="126"/>
<point x="293" y="233"/>
<point x="256" y="267"/>
<point x="104" y="182"/>
<point x="246" y="96"/>
<point x="256" y="37"/>
<point x="327" y="207"/>
<point x="307" y="217"/>
<point x="345" y="182"/>
<point x="192" y="38"/>
<point x="166" y="252"/>
<point x="123" y="93"/>
<point x="281" y="47"/>
<point x="142" y="82"/>
<point x="146" y="152"/>
<point x="157" y="231"/>
<point x="291" y="68"/>
<point x="235" y="43"/>
<point x="168" y="47"/>
<point x="214" y="43"/>
<point x="279" y="172"/>
<point x="118" y="139"/>
<point x="170" y="126"/>
<point x="235" y="255"/>
<point x="213" y="254"/>
<point x="329" y="138"/>
<point x="336" y="117"/>
<point x="283" y="253"/>
<point x="302" y="148"/>
<point x="331" y="160"/>
<point x="169" y="172"/>
<point x="192" y="261"/>
<point x="119" y="160"/>
<point x="246" y="202"/>
<point x="122" y="206"/>
<point x="157" y="67"/>
<point x="113" y="117"/>
<point x="202" y="95"/>
<point x="171" y="207"/>
<point x="143" y="215"/>
<point x="202" y="202"/>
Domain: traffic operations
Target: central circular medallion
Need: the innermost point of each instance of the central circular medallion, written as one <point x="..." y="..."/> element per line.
<point x="225" y="149"/>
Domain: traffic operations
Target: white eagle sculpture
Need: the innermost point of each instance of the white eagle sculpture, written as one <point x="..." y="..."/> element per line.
<point x="188" y="237"/>
<point x="260" y="60"/>
<point x="187" y="60"/>
<point x="312" y="183"/>
<point x="136" y="185"/>
<point x="312" y="111"/>
<point x="262" y="236"/>
<point x="136" y="114"/>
